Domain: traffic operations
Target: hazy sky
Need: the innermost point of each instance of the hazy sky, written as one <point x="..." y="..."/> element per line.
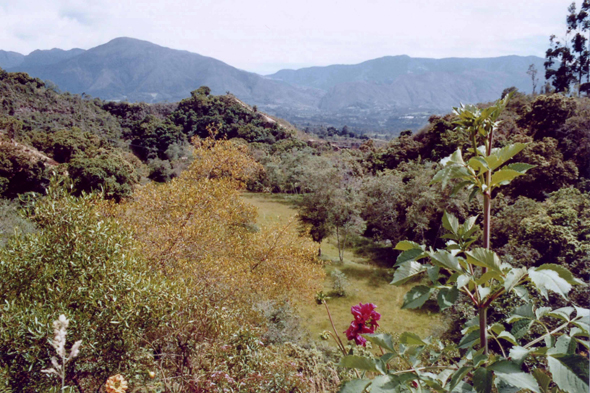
<point x="266" y="35"/>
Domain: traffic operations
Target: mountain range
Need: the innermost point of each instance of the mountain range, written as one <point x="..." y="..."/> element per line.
<point x="389" y="93"/>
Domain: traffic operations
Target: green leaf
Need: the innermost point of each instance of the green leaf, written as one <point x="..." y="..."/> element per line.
<point x="563" y="313"/>
<point x="450" y="222"/>
<point x="570" y="372"/>
<point x="563" y="273"/>
<point x="504" y="177"/>
<point x="564" y="345"/>
<point x="416" y="297"/>
<point x="543" y="380"/>
<point x="432" y="272"/>
<point x="511" y="373"/>
<point x="355" y="386"/>
<point x="361" y="363"/>
<point x="549" y="280"/>
<point x="446" y="259"/>
<point x="499" y="157"/>
<point x="408" y="338"/>
<point x="406" y="271"/>
<point x="484" y="258"/>
<point x="405" y="245"/>
<point x="478" y="164"/>
<point x="458" y="377"/>
<point x="520" y="328"/>
<point x="488" y="276"/>
<point x="522" y="293"/>
<point x="508" y="337"/>
<point x="385" y="384"/>
<point x="483" y="380"/>
<point x="409" y="255"/>
<point x="519" y="354"/>
<point x="470" y="339"/>
<point x="463" y="280"/>
<point x="520" y="167"/>
<point x="383" y="340"/>
<point x="513" y="277"/>
<point x="447" y="297"/>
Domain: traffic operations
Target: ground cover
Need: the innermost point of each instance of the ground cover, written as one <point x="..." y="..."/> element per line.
<point x="368" y="281"/>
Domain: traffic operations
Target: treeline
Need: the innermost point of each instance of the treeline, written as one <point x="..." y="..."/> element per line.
<point x="110" y="146"/>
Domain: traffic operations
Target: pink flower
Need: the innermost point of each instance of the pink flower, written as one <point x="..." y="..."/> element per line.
<point x="365" y="321"/>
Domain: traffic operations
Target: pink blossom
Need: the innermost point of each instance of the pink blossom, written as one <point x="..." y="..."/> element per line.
<point x="365" y="321"/>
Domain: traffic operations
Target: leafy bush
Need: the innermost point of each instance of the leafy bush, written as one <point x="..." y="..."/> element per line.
<point x="339" y="283"/>
<point x="86" y="267"/>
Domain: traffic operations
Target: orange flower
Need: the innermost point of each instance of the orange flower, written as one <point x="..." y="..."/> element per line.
<point x="116" y="384"/>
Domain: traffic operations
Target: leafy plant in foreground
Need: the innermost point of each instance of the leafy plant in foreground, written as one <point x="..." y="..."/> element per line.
<point x="479" y="274"/>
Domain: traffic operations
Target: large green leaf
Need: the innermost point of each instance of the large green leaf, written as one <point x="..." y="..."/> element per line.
<point x="563" y="273"/>
<point x="519" y="354"/>
<point x="446" y="259"/>
<point x="355" y="386"/>
<point x="447" y="297"/>
<point x="458" y="377"/>
<point x="549" y="280"/>
<point x="385" y="384"/>
<point x="511" y="373"/>
<point x="405" y="245"/>
<point x="450" y="223"/>
<point x="504" y="176"/>
<point x="362" y="363"/>
<point x="513" y="277"/>
<point x="484" y="258"/>
<point x="406" y="271"/>
<point x="499" y="157"/>
<point x="416" y="297"/>
<point x="483" y="380"/>
<point x="409" y="255"/>
<point x="383" y="340"/>
<point x="543" y="380"/>
<point x="522" y="312"/>
<point x="570" y="372"/>
<point x="470" y="339"/>
<point x="520" y="167"/>
<point x="408" y="338"/>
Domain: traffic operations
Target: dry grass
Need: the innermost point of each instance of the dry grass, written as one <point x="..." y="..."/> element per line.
<point x="368" y="283"/>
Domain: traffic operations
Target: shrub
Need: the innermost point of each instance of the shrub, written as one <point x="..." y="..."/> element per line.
<point x="86" y="267"/>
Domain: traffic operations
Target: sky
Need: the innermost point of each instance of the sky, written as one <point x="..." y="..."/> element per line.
<point x="264" y="36"/>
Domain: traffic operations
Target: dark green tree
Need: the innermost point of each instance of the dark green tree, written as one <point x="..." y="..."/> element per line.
<point x="568" y="59"/>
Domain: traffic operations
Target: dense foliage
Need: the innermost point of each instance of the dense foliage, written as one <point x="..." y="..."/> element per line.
<point x="166" y="281"/>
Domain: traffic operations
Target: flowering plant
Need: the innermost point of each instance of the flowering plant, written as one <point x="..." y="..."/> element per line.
<point x="365" y="321"/>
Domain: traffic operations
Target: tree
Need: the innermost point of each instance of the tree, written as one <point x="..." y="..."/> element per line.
<point x="532" y="71"/>
<point x="568" y="59"/>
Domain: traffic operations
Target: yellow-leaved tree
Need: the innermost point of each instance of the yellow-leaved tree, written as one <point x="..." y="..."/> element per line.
<point x="197" y="228"/>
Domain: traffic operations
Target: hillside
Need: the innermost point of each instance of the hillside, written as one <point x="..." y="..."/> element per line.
<point x="388" y="94"/>
<point x="135" y="70"/>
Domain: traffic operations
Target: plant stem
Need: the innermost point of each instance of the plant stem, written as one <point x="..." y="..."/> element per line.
<point x="548" y="334"/>
<point x="334" y="328"/>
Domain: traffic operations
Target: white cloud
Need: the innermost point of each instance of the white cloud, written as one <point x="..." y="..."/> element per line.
<point x="264" y="35"/>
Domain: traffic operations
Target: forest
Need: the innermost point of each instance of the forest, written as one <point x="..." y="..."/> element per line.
<point x="131" y="257"/>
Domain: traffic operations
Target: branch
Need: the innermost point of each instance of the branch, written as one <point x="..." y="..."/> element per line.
<point x="548" y="334"/>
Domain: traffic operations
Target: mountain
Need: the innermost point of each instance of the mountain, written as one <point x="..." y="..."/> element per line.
<point x="41" y="58"/>
<point x="402" y="81"/>
<point x="10" y="59"/>
<point x="135" y="70"/>
<point x="387" y="94"/>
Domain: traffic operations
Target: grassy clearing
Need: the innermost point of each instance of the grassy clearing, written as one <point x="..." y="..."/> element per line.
<point x="368" y="282"/>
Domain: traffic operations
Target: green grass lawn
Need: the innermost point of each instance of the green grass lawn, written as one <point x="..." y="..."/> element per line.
<point x="368" y="282"/>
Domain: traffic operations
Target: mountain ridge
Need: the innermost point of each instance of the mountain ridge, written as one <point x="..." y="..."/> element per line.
<point x="371" y="94"/>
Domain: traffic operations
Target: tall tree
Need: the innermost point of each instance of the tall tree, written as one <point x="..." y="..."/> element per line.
<point x="568" y="59"/>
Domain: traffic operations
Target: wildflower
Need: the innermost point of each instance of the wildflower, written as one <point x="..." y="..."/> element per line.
<point x="365" y="321"/>
<point x="116" y="384"/>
